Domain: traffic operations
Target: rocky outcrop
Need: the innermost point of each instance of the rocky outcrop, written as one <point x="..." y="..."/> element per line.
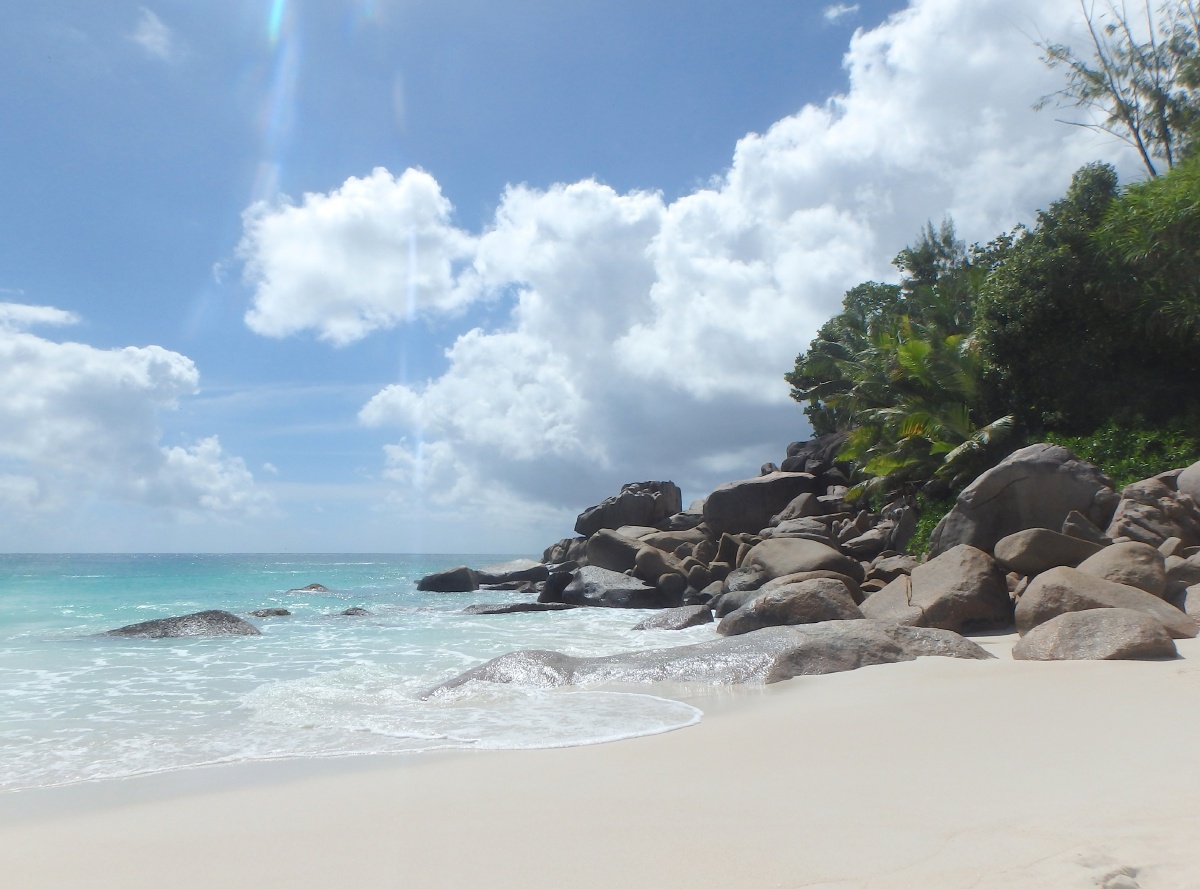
<point x="355" y="611"/>
<point x="608" y="589"/>
<point x="1133" y="564"/>
<point x="453" y="580"/>
<point x="1063" y="589"/>
<point x="201" y="623"/>
<point x="569" y="549"/>
<point x="271" y="612"/>
<point x="1150" y="512"/>
<point x="806" y="602"/>
<point x="779" y="556"/>
<point x="639" y="503"/>
<point x="818" y="457"/>
<point x="748" y="505"/>
<point x="681" y="618"/>
<point x="612" y="550"/>
<point x="769" y="655"/>
<point x="311" y="588"/>
<point x="1035" y="487"/>
<point x="961" y="590"/>
<point x="1100" y="634"/>
<point x="517" y="571"/>
<point x="1036" y="550"/>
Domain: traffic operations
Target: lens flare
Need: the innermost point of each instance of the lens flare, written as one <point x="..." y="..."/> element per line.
<point x="275" y="20"/>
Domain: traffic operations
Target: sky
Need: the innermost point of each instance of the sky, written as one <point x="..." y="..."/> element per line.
<point x="436" y="275"/>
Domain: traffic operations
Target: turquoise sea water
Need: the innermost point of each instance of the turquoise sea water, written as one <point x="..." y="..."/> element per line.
<point x="75" y="706"/>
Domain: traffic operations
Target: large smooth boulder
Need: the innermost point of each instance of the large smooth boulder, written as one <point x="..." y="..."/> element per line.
<point x="801" y="507"/>
<point x="1151" y="512"/>
<point x="1035" y="487"/>
<point x="806" y="602"/>
<point x="789" y="555"/>
<point x="1035" y="550"/>
<point x="729" y="600"/>
<point x="639" y="503"/>
<point x="1188" y="482"/>
<point x="748" y="505"/>
<point x="1133" y="564"/>
<point x="453" y="580"/>
<point x="516" y="571"/>
<point x="961" y="590"/>
<point x="607" y="589"/>
<point x="1063" y="589"/>
<point x="1099" y="634"/>
<point x="669" y="541"/>
<point x="611" y="550"/>
<point x="681" y="618"/>
<point x="651" y="563"/>
<point x="201" y="623"/>
<point x="768" y="655"/>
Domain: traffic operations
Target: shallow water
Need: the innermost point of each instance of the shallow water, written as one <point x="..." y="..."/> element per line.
<point x="74" y="706"/>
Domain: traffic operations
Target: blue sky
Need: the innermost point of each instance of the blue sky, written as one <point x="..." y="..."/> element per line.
<point x="415" y="276"/>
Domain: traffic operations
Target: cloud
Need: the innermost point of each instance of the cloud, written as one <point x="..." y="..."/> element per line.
<point x="153" y="36"/>
<point x="839" y="11"/>
<point x="14" y="316"/>
<point x="368" y="255"/>
<point x="642" y="338"/>
<point x="75" y="419"/>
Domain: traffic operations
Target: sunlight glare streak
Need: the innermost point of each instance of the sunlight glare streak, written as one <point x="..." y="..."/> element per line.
<point x="275" y="20"/>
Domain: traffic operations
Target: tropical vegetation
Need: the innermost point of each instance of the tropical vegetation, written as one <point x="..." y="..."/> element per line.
<point x="1083" y="327"/>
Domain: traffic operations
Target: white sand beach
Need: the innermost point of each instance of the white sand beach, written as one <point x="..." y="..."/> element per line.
<point x="935" y="773"/>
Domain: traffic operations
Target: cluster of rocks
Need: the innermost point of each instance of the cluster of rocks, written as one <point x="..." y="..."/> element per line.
<point x="216" y="622"/>
<point x="1041" y="543"/>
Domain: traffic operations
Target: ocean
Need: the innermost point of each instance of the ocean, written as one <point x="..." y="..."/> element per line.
<point x="75" y="706"/>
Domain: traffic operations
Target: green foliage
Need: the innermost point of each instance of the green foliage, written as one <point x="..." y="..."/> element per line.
<point x="899" y="370"/>
<point x="1090" y="314"/>
<point x="1153" y="233"/>
<point x="1064" y="348"/>
<point x="818" y="378"/>
<point x="1144" y="86"/>
<point x="931" y="512"/>
<point x="1130" y="450"/>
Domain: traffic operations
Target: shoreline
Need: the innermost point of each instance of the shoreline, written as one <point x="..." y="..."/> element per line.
<point x="935" y="772"/>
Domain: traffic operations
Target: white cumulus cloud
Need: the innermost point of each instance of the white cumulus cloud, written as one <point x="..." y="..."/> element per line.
<point x="368" y="255"/>
<point x="76" y="419"/>
<point x="647" y="339"/>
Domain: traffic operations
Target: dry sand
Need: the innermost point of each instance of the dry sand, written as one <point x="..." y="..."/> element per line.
<point x="936" y="773"/>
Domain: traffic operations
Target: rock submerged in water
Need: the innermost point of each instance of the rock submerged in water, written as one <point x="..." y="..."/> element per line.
<point x="768" y="655"/>
<point x="453" y="580"/>
<point x="682" y="618"/>
<point x="201" y="623"/>
<point x="517" y="607"/>
<point x="311" y="588"/>
<point x="271" y="612"/>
